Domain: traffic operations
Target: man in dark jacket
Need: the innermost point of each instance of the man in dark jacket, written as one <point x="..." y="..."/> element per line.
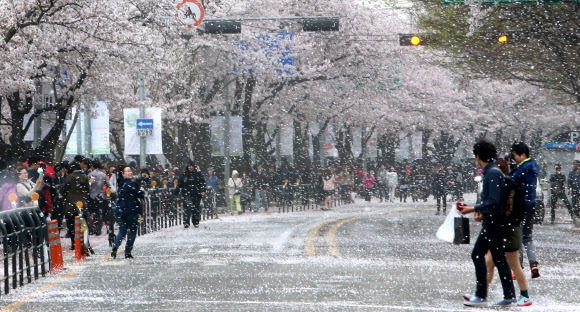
<point x="75" y="189"/>
<point x="261" y="186"/>
<point x="191" y="185"/>
<point x="526" y="178"/>
<point x="491" y="214"/>
<point x="558" y="191"/>
<point x="574" y="185"/>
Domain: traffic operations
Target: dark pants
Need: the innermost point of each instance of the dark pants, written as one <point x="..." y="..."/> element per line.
<point x="126" y="222"/>
<point x="554" y="199"/>
<point x="95" y="221"/>
<point x="383" y="193"/>
<point x="191" y="210"/>
<point x="491" y="238"/>
<point x="576" y="202"/>
<point x="439" y="198"/>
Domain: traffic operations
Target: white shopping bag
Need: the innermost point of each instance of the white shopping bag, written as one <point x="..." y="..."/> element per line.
<point x="446" y="231"/>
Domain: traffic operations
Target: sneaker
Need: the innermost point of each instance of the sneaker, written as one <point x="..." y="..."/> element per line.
<point x="468" y="297"/>
<point x="505" y="303"/>
<point x="534" y="269"/>
<point x="476" y="302"/>
<point x="437" y="213"/>
<point x="524" y="302"/>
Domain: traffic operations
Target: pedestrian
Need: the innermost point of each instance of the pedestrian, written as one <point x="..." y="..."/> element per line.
<point x="9" y="188"/>
<point x="526" y="177"/>
<point x="261" y="186"/>
<point x="368" y="182"/>
<point x="26" y="187"/>
<point x="212" y="180"/>
<point x="404" y="182"/>
<point x="98" y="184"/>
<point x="512" y="237"/>
<point x="382" y="183"/>
<point x="192" y="187"/>
<point x="558" y="191"/>
<point x="491" y="213"/>
<point x="75" y="189"/>
<point x="439" y="188"/>
<point x="328" y="186"/>
<point x="127" y="211"/>
<point x="235" y="192"/>
<point x="574" y="185"/>
<point x="392" y="182"/>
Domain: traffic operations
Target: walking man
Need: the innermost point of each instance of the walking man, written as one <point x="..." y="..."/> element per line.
<point x="526" y="177"/>
<point x="574" y="185"/>
<point x="192" y="187"/>
<point x="382" y="183"/>
<point x="491" y="214"/>
<point x="558" y="191"/>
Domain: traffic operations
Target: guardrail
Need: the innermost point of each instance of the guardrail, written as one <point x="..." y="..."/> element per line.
<point x="24" y="236"/>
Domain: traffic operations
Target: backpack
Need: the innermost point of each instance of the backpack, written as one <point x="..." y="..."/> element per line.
<point x="515" y="204"/>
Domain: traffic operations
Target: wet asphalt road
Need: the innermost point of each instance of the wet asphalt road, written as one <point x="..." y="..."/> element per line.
<point x="361" y="257"/>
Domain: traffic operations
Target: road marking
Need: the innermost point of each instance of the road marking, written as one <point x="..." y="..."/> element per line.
<point x="331" y="235"/>
<point x="17" y="304"/>
<point x="309" y="244"/>
<point x="310" y="251"/>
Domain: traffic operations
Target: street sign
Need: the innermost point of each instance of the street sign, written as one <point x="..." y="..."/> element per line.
<point x="144" y="127"/>
<point x="190" y="13"/>
<point x="489" y="2"/>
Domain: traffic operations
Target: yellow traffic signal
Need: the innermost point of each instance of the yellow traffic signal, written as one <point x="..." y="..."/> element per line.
<point x="415" y="40"/>
<point x="412" y="39"/>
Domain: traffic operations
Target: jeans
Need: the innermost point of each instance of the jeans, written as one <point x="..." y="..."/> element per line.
<point x="261" y="195"/>
<point x="191" y="210"/>
<point x="491" y="238"/>
<point x="383" y="193"/>
<point x="126" y="222"/>
<point x="528" y="243"/>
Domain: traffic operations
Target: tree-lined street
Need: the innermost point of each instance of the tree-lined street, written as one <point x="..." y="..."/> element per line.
<point x="362" y="257"/>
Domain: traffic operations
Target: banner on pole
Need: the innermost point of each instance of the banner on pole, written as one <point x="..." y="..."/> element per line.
<point x="356" y="141"/>
<point x="133" y="141"/>
<point x="218" y="137"/>
<point x="417" y="145"/>
<point x="371" y="146"/>
<point x="329" y="139"/>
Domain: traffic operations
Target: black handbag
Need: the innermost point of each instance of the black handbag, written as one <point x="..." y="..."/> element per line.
<point x="461" y="227"/>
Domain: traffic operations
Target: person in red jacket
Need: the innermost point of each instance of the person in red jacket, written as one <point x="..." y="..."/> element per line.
<point x="368" y="183"/>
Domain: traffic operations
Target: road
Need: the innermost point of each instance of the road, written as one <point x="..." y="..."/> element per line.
<point x="360" y="257"/>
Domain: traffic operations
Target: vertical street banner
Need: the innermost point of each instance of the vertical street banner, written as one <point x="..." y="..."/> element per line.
<point x="287" y="141"/>
<point x="313" y="130"/>
<point x="329" y="141"/>
<point x="404" y="150"/>
<point x="132" y="140"/>
<point x="356" y="133"/>
<point x="218" y="136"/>
<point x="417" y="145"/>
<point x="99" y="115"/>
<point x="371" y="146"/>
<point x="72" y="145"/>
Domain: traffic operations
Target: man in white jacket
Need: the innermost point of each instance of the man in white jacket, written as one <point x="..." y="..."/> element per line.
<point x="392" y="181"/>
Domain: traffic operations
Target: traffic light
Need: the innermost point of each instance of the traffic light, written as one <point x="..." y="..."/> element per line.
<point x="412" y="39"/>
<point x="503" y="38"/>
<point x="321" y="24"/>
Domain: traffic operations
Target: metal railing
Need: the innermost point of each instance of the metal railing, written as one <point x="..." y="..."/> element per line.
<point x="24" y="236"/>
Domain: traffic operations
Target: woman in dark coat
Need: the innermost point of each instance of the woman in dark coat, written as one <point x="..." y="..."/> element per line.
<point x="127" y="211"/>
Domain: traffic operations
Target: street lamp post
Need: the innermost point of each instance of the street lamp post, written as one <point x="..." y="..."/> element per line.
<point x="142" y="139"/>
